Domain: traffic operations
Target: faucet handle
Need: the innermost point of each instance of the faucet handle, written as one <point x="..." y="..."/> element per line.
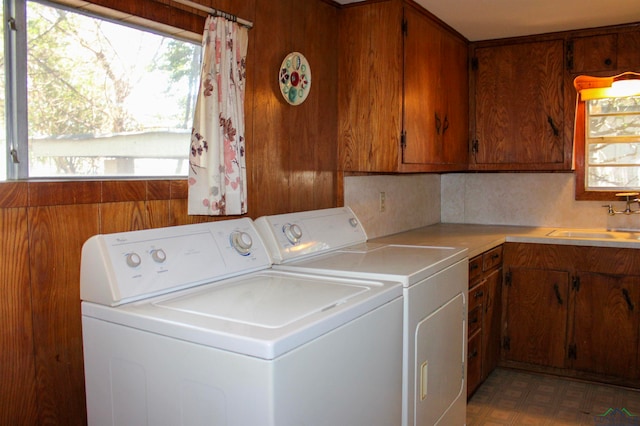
<point x="610" y="211"/>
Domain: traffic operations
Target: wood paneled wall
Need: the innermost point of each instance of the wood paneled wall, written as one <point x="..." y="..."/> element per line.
<point x="291" y="156"/>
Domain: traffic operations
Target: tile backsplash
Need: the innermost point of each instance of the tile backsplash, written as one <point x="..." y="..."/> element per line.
<point x="411" y="201"/>
<point x="524" y="199"/>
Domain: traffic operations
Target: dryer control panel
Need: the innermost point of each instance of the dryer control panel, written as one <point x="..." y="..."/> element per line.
<point x="293" y="236"/>
<point x="123" y="267"/>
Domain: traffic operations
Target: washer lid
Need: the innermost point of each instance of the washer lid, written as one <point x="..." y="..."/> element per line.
<point x="263" y="314"/>
<point x="264" y="301"/>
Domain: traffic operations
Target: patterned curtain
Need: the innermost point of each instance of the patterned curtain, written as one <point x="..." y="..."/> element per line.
<point x="217" y="167"/>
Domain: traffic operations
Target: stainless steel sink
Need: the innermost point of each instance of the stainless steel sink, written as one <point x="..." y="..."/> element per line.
<point x="595" y="234"/>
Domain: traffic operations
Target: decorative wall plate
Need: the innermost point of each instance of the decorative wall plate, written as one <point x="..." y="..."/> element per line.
<point x="295" y="78"/>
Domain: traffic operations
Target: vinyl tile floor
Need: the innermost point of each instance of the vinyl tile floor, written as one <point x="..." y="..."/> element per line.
<point x="513" y="397"/>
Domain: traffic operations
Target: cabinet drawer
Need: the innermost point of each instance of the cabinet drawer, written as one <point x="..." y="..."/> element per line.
<point x="475" y="319"/>
<point x="475" y="269"/>
<point x="476" y="296"/>
<point x="492" y="258"/>
<point x="474" y="363"/>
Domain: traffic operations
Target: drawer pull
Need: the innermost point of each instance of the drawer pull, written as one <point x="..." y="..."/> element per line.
<point x="478" y="294"/>
<point x="494" y="256"/>
<point x="557" y="291"/>
<point x="473" y="353"/>
<point x="627" y="298"/>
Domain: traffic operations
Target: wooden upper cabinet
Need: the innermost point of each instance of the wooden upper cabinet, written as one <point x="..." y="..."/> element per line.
<point x="604" y="54"/>
<point x="436" y="114"/>
<point x="518" y="104"/>
<point x="401" y="75"/>
<point x="592" y="53"/>
<point x="628" y="52"/>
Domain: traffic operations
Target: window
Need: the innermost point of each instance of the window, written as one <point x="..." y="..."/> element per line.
<point x="103" y="99"/>
<point x="612" y="144"/>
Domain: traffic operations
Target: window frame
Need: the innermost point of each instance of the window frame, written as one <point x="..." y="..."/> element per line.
<point x="580" y="144"/>
<point x="16" y="81"/>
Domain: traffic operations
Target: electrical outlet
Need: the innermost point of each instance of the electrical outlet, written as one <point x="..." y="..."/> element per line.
<point x="383" y="201"/>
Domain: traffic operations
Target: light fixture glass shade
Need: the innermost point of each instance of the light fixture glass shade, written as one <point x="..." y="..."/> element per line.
<point x="623" y="88"/>
<point x="619" y="86"/>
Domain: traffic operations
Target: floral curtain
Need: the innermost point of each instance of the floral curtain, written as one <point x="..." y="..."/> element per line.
<point x="217" y="168"/>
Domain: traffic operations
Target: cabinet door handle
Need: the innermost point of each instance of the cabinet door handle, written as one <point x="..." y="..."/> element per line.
<point x="445" y="126"/>
<point x="479" y="294"/>
<point x="438" y="123"/>
<point x="627" y="298"/>
<point x="557" y="291"/>
<point x="556" y="132"/>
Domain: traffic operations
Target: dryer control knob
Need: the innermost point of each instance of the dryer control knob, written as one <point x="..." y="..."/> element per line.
<point x="293" y="232"/>
<point x="241" y="242"/>
<point x="158" y="255"/>
<point x="133" y="260"/>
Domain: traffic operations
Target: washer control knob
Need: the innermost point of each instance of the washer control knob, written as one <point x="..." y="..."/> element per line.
<point x="133" y="260"/>
<point x="241" y="242"/>
<point x="158" y="255"/>
<point x="353" y="222"/>
<point x="293" y="232"/>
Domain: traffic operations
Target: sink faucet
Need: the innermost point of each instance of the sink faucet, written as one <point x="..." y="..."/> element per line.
<point x="629" y="200"/>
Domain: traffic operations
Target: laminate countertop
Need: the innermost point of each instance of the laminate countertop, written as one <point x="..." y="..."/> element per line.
<point x="480" y="238"/>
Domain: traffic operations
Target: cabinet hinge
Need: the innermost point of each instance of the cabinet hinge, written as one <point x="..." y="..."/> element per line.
<point x="474" y="146"/>
<point x="405" y="27"/>
<point x="507" y="279"/>
<point x="474" y="64"/>
<point x="569" y="55"/>
<point x="403" y="139"/>
<point x="573" y="351"/>
<point x="506" y="343"/>
<point x="576" y="283"/>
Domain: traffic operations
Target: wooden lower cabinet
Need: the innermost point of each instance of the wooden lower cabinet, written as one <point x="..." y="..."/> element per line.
<point x="573" y="311"/>
<point x="536" y="316"/>
<point x="484" y="316"/>
<point x="606" y="326"/>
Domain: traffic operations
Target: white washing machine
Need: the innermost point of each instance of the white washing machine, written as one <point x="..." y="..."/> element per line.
<point x="189" y="325"/>
<point x="434" y="279"/>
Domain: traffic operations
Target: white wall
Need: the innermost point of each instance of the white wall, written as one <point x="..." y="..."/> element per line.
<point x="412" y="201"/>
<point x="525" y="199"/>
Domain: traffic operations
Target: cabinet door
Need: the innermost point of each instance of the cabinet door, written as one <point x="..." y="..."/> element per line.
<point x="593" y="53"/>
<point x="370" y="87"/>
<point x="455" y="97"/>
<point x="436" y="114"/>
<point x="536" y="320"/>
<point x="519" y="106"/>
<point x="628" y="52"/>
<point x="606" y="326"/>
<point x="491" y="322"/>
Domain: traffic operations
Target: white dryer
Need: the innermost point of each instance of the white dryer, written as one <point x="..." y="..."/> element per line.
<point x="188" y="325"/>
<point x="333" y="242"/>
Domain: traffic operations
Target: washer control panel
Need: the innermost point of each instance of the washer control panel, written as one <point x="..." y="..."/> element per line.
<point x="123" y="267"/>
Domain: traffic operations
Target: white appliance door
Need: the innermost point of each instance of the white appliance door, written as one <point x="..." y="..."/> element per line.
<point x="439" y="339"/>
